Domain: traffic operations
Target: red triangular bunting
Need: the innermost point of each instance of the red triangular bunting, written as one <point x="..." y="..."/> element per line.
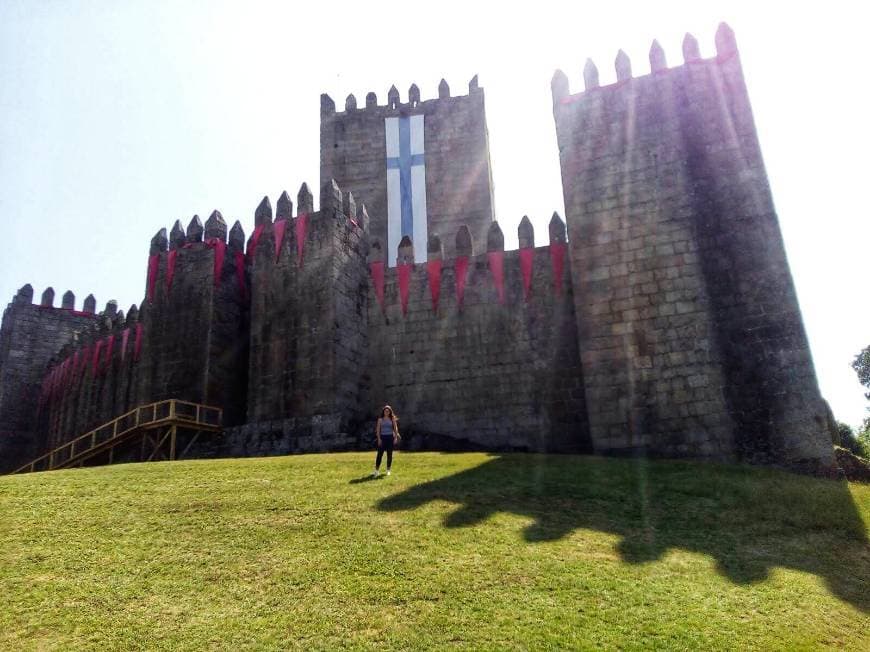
<point x="496" y="266"/>
<point x="377" y="270"/>
<point x="252" y="244"/>
<point x="137" y="343"/>
<point x="240" y="274"/>
<point x="557" y="257"/>
<point x="280" y="226"/>
<point x="86" y="357"/>
<point x="433" y="267"/>
<point x="110" y="345"/>
<point x="461" y="274"/>
<point x="527" y="256"/>
<point x="170" y="267"/>
<point x="404" y="273"/>
<point x="64" y="366"/>
<point x="301" y="229"/>
<point x="95" y="362"/>
<point x="125" y="337"/>
<point x="153" y="263"/>
<point x="220" y="250"/>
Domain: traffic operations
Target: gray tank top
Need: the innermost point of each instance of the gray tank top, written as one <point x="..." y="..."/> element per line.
<point x="386" y="427"/>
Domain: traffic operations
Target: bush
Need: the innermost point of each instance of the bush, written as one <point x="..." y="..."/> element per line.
<point x="857" y="444"/>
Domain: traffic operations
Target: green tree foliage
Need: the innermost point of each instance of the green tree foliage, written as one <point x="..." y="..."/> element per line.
<point x="849" y="440"/>
<point x="861" y="365"/>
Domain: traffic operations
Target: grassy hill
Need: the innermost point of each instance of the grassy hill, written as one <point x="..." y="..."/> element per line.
<point x="453" y="550"/>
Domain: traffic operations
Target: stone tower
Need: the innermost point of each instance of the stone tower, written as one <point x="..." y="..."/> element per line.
<point x="420" y="166"/>
<point x="689" y="328"/>
<point x="29" y="337"/>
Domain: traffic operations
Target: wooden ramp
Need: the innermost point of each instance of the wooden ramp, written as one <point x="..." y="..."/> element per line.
<point x="149" y="432"/>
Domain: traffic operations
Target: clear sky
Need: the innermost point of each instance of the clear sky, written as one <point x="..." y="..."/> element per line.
<point x="116" y="118"/>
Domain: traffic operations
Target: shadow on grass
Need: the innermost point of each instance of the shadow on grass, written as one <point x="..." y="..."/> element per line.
<point x="368" y="477"/>
<point x="749" y="520"/>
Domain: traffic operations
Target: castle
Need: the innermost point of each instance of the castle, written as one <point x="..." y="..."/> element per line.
<point x="659" y="318"/>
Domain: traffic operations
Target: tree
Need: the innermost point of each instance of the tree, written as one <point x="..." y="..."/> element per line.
<point x="861" y="365"/>
<point x="850" y="441"/>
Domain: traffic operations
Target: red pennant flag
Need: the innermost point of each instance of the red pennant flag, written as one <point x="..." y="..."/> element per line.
<point x="62" y="375"/>
<point x="95" y="363"/>
<point x="461" y="274"/>
<point x="220" y="250"/>
<point x="496" y="266"/>
<point x="67" y="371"/>
<point x="280" y="226"/>
<point x="110" y="345"/>
<point x="255" y="238"/>
<point x="137" y="343"/>
<point x="527" y="256"/>
<point x="557" y="257"/>
<point x="153" y="263"/>
<point x="170" y="267"/>
<point x="377" y="270"/>
<point x="301" y="230"/>
<point x="125" y="337"/>
<point x="240" y="274"/>
<point x="433" y="267"/>
<point x="86" y="356"/>
<point x="404" y="270"/>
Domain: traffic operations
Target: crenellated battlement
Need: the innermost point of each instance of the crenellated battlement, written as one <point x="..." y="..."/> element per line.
<point x="493" y="270"/>
<point x="24" y="297"/>
<point x="726" y="48"/>
<point x="394" y="103"/>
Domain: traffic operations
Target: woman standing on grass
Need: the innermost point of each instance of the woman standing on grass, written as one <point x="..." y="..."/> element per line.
<point x="387" y="434"/>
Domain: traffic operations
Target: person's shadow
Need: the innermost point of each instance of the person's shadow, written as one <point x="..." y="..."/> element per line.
<point x="368" y="477"/>
<point x="749" y="520"/>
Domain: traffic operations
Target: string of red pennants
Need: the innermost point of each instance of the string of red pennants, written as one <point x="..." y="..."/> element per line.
<point x="495" y="261"/>
<point x="239" y="259"/>
<point x="98" y="357"/>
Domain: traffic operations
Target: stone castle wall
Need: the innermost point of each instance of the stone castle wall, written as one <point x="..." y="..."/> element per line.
<point x="499" y="367"/>
<point x="663" y="322"/>
<point x="30" y="336"/>
<point x="689" y="328"/>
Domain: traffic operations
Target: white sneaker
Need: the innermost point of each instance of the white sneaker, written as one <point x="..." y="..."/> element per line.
<point x="388" y="472"/>
<point x="375" y="473"/>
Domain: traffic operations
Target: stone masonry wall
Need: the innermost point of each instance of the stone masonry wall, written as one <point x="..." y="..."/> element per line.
<point x="491" y="374"/>
<point x="458" y="173"/>
<point x="195" y="328"/>
<point x="88" y="385"/>
<point x="308" y="329"/>
<point x="30" y="336"/>
<point x="689" y="328"/>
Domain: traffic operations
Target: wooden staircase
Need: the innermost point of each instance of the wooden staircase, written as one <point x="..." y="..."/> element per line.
<point x="155" y="428"/>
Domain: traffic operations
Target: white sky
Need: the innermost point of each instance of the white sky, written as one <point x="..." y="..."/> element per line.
<point x="116" y="118"/>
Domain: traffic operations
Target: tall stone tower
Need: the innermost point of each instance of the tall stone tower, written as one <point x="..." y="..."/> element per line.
<point x="689" y="328"/>
<point x="422" y="167"/>
<point x="29" y="337"/>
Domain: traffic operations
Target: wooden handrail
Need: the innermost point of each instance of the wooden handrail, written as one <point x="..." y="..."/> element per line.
<point x="200" y="418"/>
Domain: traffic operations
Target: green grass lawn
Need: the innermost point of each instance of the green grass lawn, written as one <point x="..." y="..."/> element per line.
<point x="453" y="550"/>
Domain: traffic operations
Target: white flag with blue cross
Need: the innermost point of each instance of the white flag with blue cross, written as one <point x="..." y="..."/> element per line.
<point x="406" y="186"/>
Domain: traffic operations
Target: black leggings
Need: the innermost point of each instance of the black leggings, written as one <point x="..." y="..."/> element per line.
<point x="386" y="445"/>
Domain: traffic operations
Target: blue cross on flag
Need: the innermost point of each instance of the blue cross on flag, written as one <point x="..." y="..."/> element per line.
<point x="406" y="186"/>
